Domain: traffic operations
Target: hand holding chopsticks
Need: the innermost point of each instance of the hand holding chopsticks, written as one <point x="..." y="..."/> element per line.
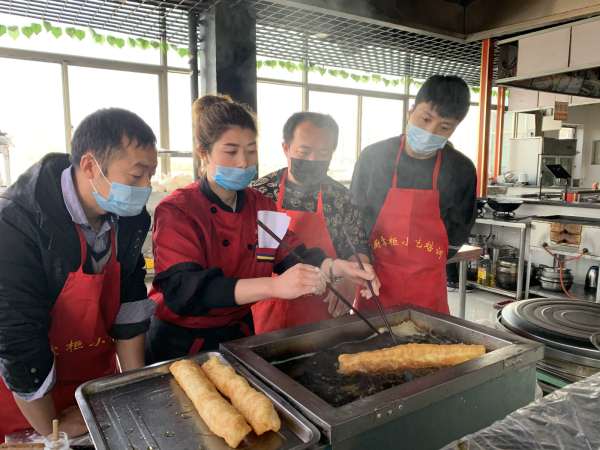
<point x="358" y="273"/>
<point x="373" y="288"/>
<point x="329" y="284"/>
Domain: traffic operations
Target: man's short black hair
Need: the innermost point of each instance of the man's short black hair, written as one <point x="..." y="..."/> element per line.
<point x="317" y="119"/>
<point x="103" y="131"/>
<point x="449" y="95"/>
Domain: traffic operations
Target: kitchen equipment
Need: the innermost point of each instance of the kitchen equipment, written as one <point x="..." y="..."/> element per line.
<point x="481" y="202"/>
<point x="146" y="408"/>
<point x="555" y="319"/>
<point x="409" y="414"/>
<point x="591" y="279"/>
<point x="569" y="331"/>
<point x="550" y="278"/>
<point x="523" y="178"/>
<point x="503" y="206"/>
<point x="595" y="340"/>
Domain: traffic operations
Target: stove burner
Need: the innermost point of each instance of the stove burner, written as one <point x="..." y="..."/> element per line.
<point x="504" y="215"/>
<point x="318" y="371"/>
<point x="556" y="319"/>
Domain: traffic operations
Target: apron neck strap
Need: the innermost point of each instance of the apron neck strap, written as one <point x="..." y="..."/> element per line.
<point x="82" y="244"/>
<point x="398" y="154"/>
<point x="436" y="169"/>
<point x="281" y="194"/>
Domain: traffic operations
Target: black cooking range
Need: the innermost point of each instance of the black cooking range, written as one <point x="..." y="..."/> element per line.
<point x="569" y="329"/>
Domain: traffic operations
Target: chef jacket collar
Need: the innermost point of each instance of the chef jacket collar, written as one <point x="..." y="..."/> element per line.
<point x="214" y="198"/>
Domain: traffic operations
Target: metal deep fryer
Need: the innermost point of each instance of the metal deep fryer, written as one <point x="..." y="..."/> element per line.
<point x="426" y="410"/>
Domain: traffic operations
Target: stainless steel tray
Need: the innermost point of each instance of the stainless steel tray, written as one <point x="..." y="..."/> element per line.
<point x="146" y="409"/>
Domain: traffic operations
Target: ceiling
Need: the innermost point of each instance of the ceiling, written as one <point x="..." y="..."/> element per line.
<point x="307" y="33"/>
<point x="141" y="18"/>
<point x="285" y="29"/>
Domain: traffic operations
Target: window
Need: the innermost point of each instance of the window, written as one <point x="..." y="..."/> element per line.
<point x="92" y="89"/>
<point x="382" y="118"/>
<point x="276" y="103"/>
<point x="334" y="76"/>
<point x="275" y="69"/>
<point x="596" y="153"/>
<point x="31" y="111"/>
<point x="466" y="134"/>
<point x="509" y="123"/>
<point x="525" y="125"/>
<point x="46" y="42"/>
<point x="178" y="170"/>
<point x="344" y="109"/>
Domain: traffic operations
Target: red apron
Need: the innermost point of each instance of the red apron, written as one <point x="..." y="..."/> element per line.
<point x="82" y="315"/>
<point x="410" y="246"/>
<point x="311" y="229"/>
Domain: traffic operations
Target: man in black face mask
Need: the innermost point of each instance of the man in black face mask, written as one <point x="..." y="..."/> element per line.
<point x="320" y="209"/>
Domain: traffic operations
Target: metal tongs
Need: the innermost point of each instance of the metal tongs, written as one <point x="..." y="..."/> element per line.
<point x="329" y="285"/>
<point x="374" y="297"/>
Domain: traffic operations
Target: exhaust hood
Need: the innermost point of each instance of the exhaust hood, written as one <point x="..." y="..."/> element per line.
<point x="581" y="83"/>
<point x="559" y="60"/>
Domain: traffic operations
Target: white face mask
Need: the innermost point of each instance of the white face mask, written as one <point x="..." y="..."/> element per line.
<point x="123" y="200"/>
<point x="422" y="142"/>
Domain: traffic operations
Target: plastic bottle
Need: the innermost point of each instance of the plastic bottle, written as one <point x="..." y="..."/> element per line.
<point x="483" y="270"/>
<point x="491" y="276"/>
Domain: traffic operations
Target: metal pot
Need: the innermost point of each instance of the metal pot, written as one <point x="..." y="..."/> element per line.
<point x="550" y="279"/>
<point x="553" y="273"/>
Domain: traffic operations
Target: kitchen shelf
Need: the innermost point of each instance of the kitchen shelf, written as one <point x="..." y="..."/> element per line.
<point x="577" y="291"/>
<point x="522" y="225"/>
<point x="557" y="251"/>
<point x="503" y="223"/>
<point x="493" y="290"/>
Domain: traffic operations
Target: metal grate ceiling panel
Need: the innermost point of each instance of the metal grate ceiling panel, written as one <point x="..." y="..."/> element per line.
<point x="142" y="18"/>
<point x="284" y="30"/>
<point x="321" y="37"/>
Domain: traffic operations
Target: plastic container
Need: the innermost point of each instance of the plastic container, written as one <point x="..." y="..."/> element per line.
<point x="62" y="443"/>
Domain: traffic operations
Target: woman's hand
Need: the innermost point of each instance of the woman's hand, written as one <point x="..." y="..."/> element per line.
<point x="351" y="271"/>
<point x="297" y="281"/>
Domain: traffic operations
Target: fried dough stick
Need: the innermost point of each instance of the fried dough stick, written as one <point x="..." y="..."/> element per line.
<point x="218" y="414"/>
<point x="254" y="405"/>
<point x="408" y="356"/>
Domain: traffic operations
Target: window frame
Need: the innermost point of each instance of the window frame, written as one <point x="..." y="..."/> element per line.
<point x="161" y="70"/>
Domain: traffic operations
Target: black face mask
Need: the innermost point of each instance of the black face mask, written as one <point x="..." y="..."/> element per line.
<point x="309" y="172"/>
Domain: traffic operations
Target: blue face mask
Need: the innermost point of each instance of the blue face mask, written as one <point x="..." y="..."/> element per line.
<point x="422" y="142"/>
<point x="234" y="178"/>
<point x="123" y="200"/>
